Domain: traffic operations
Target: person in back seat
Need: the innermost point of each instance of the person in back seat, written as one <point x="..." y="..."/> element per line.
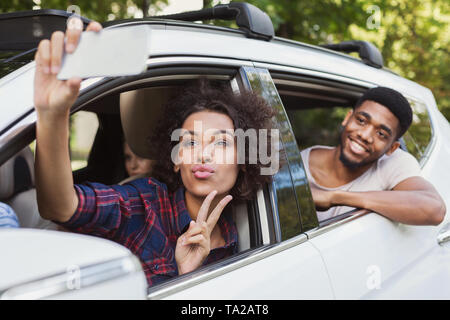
<point x="368" y="170"/>
<point x="135" y="165"/>
<point x="174" y="224"/>
<point x="8" y="218"/>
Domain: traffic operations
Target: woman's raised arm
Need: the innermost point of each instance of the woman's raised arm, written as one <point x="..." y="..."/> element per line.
<point x="57" y="199"/>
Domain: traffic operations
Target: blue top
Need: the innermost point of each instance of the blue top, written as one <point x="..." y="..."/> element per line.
<point x="8" y="218"/>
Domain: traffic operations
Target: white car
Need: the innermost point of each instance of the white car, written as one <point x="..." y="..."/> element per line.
<point x="284" y="252"/>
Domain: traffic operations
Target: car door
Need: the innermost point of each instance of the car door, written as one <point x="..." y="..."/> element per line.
<point x="371" y="257"/>
<point x="366" y="255"/>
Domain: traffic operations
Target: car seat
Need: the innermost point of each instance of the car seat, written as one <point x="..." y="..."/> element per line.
<point x="17" y="189"/>
<point x="140" y="111"/>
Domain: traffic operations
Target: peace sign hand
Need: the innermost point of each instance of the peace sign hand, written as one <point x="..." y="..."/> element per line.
<point x="195" y="244"/>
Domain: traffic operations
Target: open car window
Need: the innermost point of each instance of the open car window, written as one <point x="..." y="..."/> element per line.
<point x="316" y="108"/>
<point x="254" y="219"/>
<point x="83" y="127"/>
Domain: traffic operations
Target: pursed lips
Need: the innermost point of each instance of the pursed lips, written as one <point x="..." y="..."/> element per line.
<point x="202" y="171"/>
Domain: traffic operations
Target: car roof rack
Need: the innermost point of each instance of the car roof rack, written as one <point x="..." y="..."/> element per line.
<point x="368" y="53"/>
<point x="23" y="30"/>
<point x="254" y="22"/>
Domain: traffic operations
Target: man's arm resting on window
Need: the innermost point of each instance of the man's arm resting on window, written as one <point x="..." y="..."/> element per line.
<point x="413" y="201"/>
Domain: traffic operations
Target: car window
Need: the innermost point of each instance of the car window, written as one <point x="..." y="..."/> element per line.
<point x="419" y="134"/>
<point x="83" y="127"/>
<point x="252" y="218"/>
<point x="315" y="109"/>
<point x="88" y="119"/>
<point x="13" y="60"/>
<point x="290" y="225"/>
<point x="318" y="126"/>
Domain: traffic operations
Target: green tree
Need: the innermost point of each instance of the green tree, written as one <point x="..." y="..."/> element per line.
<point x="413" y="35"/>
<point x="207" y="3"/>
<point x="415" y="39"/>
<point x="100" y="10"/>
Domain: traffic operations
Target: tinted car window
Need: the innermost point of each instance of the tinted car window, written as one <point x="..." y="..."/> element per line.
<point x="13" y="60"/>
<point x="419" y="134"/>
<point x="286" y="204"/>
<point x="262" y="83"/>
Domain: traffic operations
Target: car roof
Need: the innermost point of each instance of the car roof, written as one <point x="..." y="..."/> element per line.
<point x="171" y="38"/>
<point x="187" y="38"/>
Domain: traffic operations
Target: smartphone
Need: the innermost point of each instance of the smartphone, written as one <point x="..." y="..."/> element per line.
<point x="108" y="53"/>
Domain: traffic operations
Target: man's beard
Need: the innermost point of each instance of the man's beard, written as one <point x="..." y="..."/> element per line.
<point x="352" y="164"/>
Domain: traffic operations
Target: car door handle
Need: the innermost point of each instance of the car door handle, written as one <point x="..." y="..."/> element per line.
<point x="444" y="235"/>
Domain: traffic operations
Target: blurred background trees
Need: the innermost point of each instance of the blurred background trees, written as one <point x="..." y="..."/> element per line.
<point x="413" y="35"/>
<point x="100" y="10"/>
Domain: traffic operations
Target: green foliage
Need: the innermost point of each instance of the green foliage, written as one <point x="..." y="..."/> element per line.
<point x="99" y="10"/>
<point x="413" y="35"/>
<point x="313" y="22"/>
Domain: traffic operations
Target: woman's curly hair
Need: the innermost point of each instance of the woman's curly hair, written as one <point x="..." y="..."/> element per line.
<point x="247" y="111"/>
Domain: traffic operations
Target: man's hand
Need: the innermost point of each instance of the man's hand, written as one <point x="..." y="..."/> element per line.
<point x="322" y="198"/>
<point x="53" y="96"/>
<point x="195" y="244"/>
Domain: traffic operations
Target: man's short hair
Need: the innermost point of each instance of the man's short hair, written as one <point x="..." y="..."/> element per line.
<point x="394" y="101"/>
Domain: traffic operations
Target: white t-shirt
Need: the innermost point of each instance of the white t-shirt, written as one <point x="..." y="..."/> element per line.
<point x="385" y="174"/>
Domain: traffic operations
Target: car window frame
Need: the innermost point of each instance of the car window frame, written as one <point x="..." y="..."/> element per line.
<point x="432" y="141"/>
<point x="260" y="81"/>
<point x="94" y="88"/>
<point x="321" y="78"/>
<point x="268" y="232"/>
<point x="272" y="239"/>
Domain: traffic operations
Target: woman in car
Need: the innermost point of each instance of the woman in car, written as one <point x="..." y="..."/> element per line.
<point x="135" y="166"/>
<point x="174" y="223"/>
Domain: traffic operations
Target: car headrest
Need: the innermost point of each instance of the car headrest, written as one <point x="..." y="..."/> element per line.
<point x="140" y="111"/>
<point x="17" y="174"/>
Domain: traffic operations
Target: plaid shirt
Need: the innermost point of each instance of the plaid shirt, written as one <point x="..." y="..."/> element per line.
<point x="144" y="217"/>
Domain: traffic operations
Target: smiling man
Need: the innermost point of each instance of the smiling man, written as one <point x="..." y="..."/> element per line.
<point x="368" y="170"/>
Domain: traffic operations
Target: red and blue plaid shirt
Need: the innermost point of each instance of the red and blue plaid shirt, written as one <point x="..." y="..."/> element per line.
<point x="144" y="217"/>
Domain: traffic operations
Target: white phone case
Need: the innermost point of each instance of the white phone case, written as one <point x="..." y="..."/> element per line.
<point x="108" y="53"/>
